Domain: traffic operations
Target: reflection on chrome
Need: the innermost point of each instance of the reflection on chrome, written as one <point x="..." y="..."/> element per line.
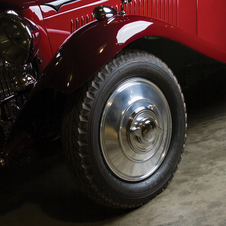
<point x="135" y="129"/>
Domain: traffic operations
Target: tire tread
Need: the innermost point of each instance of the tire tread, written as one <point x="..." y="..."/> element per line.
<point x="76" y="147"/>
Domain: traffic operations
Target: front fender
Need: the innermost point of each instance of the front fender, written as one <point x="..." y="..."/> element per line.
<point x="89" y="48"/>
<point x="92" y="46"/>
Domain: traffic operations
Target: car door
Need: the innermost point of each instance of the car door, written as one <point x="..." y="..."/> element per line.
<point x="211" y="18"/>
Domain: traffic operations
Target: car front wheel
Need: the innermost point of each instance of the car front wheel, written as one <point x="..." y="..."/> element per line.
<point x="124" y="131"/>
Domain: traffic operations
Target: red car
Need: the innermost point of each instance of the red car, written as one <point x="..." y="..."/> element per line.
<point x="105" y="75"/>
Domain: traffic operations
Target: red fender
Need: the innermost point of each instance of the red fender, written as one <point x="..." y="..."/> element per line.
<point x="92" y="46"/>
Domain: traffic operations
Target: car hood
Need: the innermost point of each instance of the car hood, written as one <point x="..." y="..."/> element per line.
<point x="21" y="4"/>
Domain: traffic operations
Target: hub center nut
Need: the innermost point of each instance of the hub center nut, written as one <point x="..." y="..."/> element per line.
<point x="149" y="130"/>
<point x="144" y="129"/>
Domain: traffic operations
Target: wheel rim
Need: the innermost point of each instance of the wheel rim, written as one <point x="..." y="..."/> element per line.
<point x="135" y="129"/>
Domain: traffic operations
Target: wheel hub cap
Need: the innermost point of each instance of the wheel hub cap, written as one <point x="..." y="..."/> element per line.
<point x="144" y="127"/>
<point x="135" y="129"/>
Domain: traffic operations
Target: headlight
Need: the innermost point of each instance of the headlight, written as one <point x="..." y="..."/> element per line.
<point x="15" y="39"/>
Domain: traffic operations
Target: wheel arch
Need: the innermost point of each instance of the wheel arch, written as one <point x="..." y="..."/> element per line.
<point x="182" y="60"/>
<point x="98" y="42"/>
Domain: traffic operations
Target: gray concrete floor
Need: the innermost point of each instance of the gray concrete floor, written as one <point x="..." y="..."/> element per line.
<point x="46" y="195"/>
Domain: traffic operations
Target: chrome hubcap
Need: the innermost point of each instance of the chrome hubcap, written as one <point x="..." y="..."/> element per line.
<point x="144" y="129"/>
<point x="135" y="129"/>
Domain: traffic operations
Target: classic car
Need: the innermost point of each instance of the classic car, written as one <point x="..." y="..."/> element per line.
<point x="104" y="77"/>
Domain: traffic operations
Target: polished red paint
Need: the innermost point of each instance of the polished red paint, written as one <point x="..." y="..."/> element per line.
<point x="42" y="45"/>
<point x="187" y="14"/>
<point x="200" y="18"/>
<point x="69" y="18"/>
<point x="191" y="16"/>
<point x="211" y="22"/>
<point x="20" y="4"/>
<point x="100" y="41"/>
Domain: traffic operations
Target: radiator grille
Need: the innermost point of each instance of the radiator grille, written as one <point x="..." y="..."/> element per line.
<point x="11" y="80"/>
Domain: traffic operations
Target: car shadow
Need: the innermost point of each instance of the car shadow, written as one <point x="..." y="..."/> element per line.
<point x="46" y="183"/>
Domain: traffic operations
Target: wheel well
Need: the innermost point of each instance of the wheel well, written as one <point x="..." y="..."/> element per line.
<point x="188" y="65"/>
<point x="41" y="116"/>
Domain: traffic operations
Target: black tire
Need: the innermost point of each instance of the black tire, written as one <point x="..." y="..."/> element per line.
<point x="107" y="133"/>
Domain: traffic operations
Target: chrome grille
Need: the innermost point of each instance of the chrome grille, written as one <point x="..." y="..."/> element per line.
<point x="11" y="82"/>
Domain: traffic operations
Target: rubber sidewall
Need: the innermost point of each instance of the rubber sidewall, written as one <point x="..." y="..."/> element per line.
<point x="152" y="185"/>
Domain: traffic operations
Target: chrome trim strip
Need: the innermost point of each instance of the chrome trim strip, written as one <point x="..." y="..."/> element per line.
<point x="58" y="3"/>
